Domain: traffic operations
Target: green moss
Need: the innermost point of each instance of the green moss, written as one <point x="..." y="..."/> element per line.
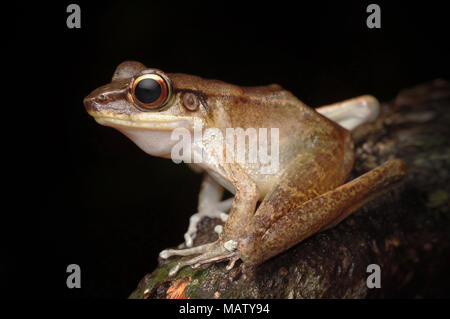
<point x="437" y="198"/>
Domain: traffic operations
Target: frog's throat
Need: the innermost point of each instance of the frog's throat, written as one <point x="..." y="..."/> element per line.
<point x="153" y="137"/>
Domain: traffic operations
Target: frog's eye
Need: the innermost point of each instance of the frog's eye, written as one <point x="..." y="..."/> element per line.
<point x="151" y="91"/>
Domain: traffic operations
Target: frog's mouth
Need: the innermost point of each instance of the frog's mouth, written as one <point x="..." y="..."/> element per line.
<point x="165" y="123"/>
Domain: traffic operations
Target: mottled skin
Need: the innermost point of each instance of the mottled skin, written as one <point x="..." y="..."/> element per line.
<point x="306" y="195"/>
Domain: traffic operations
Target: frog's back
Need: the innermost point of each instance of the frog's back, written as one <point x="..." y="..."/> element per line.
<point x="272" y="106"/>
<point x="301" y="129"/>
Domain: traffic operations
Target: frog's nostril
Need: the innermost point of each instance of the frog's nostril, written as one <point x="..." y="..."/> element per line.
<point x="90" y="103"/>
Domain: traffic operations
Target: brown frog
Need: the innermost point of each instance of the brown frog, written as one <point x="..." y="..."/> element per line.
<point x="304" y="194"/>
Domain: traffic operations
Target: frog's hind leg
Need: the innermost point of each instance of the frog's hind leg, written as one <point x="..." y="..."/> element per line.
<point x="352" y="113"/>
<point x="212" y="252"/>
<point x="225" y="247"/>
<point x="319" y="213"/>
<point x="166" y="253"/>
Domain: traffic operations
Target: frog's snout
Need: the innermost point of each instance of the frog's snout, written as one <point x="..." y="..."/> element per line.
<point x="106" y="98"/>
<point x="96" y="101"/>
<point x="90" y="103"/>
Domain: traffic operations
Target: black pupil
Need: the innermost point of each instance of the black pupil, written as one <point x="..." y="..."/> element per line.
<point x="147" y="91"/>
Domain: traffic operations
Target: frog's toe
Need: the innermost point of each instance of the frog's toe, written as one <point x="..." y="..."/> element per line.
<point x="216" y="251"/>
<point x="166" y="253"/>
<point x="195" y="219"/>
<point x="216" y="210"/>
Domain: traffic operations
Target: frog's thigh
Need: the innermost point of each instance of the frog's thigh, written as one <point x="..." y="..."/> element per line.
<point x="307" y="176"/>
<point x="313" y="215"/>
<point x="352" y="113"/>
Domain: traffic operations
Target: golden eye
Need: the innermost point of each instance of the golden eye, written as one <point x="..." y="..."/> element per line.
<point x="151" y="91"/>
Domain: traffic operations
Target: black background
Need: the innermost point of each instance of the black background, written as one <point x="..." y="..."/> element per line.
<point x="85" y="194"/>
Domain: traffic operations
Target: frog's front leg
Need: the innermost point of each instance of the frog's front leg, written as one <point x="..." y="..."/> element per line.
<point x="209" y="205"/>
<point x="272" y="232"/>
<point x="241" y="213"/>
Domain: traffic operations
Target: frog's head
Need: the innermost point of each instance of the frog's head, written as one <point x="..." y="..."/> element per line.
<point x="147" y="104"/>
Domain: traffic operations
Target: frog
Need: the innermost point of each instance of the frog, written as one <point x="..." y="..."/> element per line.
<point x="269" y="213"/>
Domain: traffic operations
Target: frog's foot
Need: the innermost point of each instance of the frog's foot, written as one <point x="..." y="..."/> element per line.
<point x="209" y="253"/>
<point x="213" y="211"/>
<point x="352" y="113"/>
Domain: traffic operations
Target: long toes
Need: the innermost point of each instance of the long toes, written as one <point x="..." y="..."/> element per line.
<point x="213" y="259"/>
<point x="192" y="229"/>
<point x="232" y="262"/>
<point x="216" y="253"/>
<point x="166" y="253"/>
<point x="199" y="260"/>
